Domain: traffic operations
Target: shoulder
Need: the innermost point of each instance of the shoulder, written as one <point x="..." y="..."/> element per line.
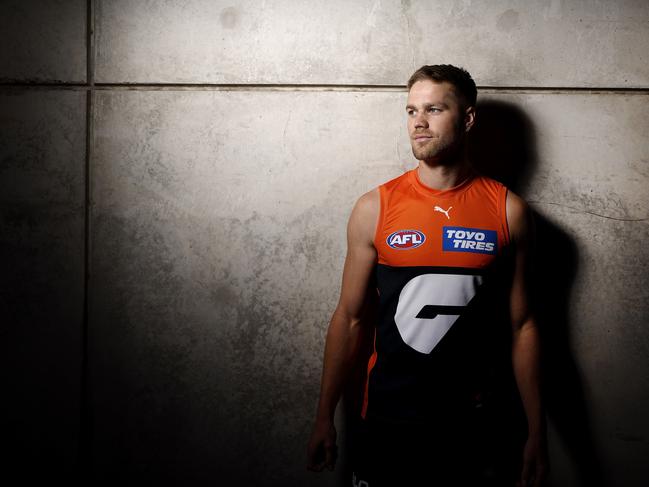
<point x="364" y="216"/>
<point x="519" y="217"/>
<point x="369" y="202"/>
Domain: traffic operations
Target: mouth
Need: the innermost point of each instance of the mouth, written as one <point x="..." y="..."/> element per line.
<point x="421" y="138"/>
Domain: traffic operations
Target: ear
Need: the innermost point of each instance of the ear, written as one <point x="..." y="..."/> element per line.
<point x="469" y="118"/>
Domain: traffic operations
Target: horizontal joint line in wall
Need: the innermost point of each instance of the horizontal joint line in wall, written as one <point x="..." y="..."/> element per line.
<point x="307" y="87"/>
<point x="249" y="87"/>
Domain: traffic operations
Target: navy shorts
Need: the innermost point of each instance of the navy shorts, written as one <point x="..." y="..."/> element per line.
<point x="451" y="452"/>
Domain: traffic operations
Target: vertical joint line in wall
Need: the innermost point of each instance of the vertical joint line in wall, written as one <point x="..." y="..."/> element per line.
<point x="90" y="43"/>
<point x="86" y="423"/>
<point x="85" y="441"/>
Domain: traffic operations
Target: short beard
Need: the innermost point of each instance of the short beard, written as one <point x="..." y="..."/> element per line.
<point x="440" y="153"/>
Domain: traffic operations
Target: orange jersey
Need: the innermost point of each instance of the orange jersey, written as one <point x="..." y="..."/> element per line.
<point x="440" y="329"/>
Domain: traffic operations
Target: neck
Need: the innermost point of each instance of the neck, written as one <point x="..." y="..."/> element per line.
<point x="443" y="177"/>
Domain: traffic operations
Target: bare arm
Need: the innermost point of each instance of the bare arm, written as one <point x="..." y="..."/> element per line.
<point x="526" y="344"/>
<point x="343" y="335"/>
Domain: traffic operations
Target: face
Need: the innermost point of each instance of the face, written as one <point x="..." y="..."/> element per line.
<point x="437" y="121"/>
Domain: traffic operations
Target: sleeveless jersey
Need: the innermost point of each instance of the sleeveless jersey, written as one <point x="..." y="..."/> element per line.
<point x="442" y="331"/>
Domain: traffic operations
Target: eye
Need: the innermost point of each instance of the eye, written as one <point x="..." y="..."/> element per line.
<point x="410" y="112"/>
<point x="434" y="109"/>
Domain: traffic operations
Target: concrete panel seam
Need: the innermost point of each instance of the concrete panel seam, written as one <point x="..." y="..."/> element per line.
<point x="90" y="42"/>
<point x="354" y="87"/>
<point x="85" y="443"/>
<point x="309" y="88"/>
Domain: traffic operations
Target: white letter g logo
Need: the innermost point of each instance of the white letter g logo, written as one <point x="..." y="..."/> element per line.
<point x="428" y="306"/>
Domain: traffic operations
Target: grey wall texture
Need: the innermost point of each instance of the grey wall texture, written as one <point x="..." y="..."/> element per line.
<point x="176" y="179"/>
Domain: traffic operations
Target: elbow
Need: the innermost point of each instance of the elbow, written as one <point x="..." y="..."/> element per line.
<point x="524" y="325"/>
<point x="347" y="319"/>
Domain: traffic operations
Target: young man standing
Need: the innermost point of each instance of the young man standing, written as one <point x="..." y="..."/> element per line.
<point x="447" y="251"/>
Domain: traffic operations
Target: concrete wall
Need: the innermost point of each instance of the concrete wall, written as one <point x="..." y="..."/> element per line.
<point x="176" y="180"/>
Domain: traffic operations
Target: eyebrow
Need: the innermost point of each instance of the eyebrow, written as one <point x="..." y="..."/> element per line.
<point x="440" y="104"/>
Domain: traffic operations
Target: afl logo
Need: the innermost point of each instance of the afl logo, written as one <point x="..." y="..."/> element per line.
<point x="406" y="239"/>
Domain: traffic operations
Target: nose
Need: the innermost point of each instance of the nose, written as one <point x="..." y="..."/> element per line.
<point x="420" y="121"/>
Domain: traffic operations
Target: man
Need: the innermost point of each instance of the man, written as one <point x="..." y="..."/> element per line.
<point x="444" y="248"/>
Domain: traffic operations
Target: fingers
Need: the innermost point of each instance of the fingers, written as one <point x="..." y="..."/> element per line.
<point x="322" y="450"/>
<point x="322" y="457"/>
<point x="534" y="477"/>
<point x="541" y="474"/>
<point x="524" y="480"/>
<point x="331" y="452"/>
<point x="315" y="466"/>
<point x="315" y="460"/>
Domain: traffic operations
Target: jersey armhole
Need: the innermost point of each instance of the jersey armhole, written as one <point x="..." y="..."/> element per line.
<point x="379" y="222"/>
<point x="503" y="213"/>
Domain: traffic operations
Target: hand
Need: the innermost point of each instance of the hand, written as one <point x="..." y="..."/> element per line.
<point x="322" y="450"/>
<point x="535" y="464"/>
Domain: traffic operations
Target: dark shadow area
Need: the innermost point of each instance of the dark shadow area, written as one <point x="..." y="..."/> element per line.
<point x="503" y="146"/>
<point x="41" y="284"/>
<point x="564" y="393"/>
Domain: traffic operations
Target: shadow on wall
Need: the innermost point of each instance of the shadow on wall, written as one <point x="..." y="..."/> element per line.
<point x="503" y="146"/>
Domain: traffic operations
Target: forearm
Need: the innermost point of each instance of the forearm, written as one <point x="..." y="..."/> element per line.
<point x="526" y="363"/>
<point x="341" y="348"/>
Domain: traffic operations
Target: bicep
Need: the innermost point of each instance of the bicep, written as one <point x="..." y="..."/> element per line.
<point x="361" y="256"/>
<point x="521" y="229"/>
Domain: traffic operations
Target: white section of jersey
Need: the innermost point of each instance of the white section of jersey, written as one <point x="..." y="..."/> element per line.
<point x="423" y="334"/>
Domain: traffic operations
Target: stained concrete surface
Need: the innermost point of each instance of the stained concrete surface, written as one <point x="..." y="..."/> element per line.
<point x="218" y="241"/>
<point x="43" y="41"/>
<point x="579" y="43"/>
<point x="42" y="141"/>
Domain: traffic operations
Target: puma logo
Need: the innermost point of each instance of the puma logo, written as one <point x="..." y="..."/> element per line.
<point x="442" y="210"/>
